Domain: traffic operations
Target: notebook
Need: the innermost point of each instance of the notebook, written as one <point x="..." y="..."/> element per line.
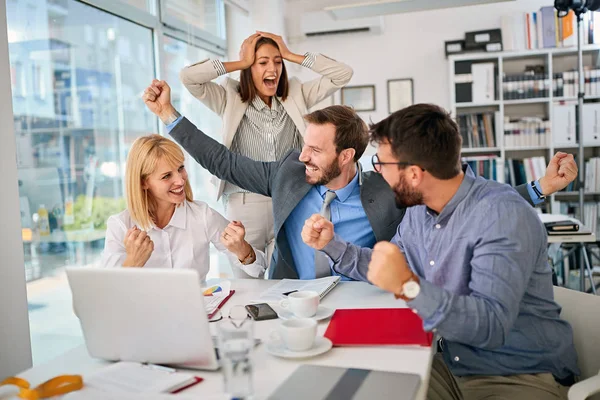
<point x="377" y="327"/>
<point x="133" y="377"/>
<point x="334" y="383"/>
<point x="557" y="224"/>
<point x="281" y="289"/>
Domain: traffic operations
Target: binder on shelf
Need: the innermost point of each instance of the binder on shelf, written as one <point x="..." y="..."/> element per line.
<point x="463" y="81"/>
<point x="563" y="125"/>
<point x="591" y="124"/>
<point x="483" y="82"/>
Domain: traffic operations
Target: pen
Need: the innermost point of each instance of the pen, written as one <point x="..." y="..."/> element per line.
<point x="288" y="293"/>
<point x="159" y="367"/>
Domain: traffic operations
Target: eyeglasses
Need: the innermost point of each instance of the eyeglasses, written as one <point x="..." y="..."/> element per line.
<point x="377" y="164"/>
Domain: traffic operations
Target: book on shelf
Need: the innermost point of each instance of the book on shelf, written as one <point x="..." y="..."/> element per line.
<point x="529" y="131"/>
<point x="527" y="85"/>
<point x="518" y="172"/>
<point x="485" y="166"/>
<point x="543" y="29"/>
<point x="478" y="129"/>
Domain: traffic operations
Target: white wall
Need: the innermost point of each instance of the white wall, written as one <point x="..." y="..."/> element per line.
<point x="411" y="46"/>
<point x="15" y="348"/>
<point x="265" y="15"/>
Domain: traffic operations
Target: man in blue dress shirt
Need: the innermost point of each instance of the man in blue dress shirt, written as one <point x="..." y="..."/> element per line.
<point x="470" y="258"/>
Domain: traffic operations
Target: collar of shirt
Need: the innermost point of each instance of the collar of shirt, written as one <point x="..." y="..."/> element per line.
<point x="345" y="192"/>
<point x="259" y="104"/>
<point x="179" y="218"/>
<point x="459" y="196"/>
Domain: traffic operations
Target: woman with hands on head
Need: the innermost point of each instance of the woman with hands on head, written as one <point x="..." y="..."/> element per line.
<point x="262" y="113"/>
<point x="163" y="227"/>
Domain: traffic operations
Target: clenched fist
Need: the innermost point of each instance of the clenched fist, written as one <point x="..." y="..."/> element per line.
<point x="138" y="246"/>
<point x="317" y="231"/>
<point x="233" y="239"/>
<point x="388" y="268"/>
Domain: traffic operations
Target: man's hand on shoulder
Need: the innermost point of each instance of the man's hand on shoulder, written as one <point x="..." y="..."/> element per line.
<point x="157" y="97"/>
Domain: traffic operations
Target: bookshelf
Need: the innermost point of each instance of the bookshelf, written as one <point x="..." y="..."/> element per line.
<point x="531" y="95"/>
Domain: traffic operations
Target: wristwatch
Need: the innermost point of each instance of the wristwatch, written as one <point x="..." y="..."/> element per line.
<point x="539" y="194"/>
<point x="411" y="288"/>
<point x="172" y="118"/>
<point x="250" y="258"/>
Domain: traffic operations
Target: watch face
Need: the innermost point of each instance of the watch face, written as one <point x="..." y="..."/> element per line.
<point x="411" y="289"/>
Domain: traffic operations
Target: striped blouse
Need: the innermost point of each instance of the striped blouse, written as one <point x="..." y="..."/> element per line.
<point x="264" y="134"/>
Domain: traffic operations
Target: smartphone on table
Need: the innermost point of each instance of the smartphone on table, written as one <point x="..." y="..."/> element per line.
<point x="261" y="311"/>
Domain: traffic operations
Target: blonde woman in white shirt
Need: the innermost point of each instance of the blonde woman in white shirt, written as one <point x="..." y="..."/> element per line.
<point x="262" y="114"/>
<point x="163" y="227"/>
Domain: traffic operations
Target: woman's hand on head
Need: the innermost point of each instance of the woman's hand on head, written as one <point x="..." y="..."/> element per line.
<point x="248" y="50"/>
<point x="138" y="246"/>
<point x="233" y="239"/>
<point x="283" y="49"/>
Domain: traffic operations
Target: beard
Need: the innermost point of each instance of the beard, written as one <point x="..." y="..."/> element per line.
<point x="405" y="195"/>
<point x="330" y="172"/>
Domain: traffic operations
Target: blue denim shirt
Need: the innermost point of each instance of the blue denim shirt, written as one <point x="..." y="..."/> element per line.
<point x="486" y="286"/>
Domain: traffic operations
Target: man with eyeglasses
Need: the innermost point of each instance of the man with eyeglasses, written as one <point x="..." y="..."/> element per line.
<point x="324" y="178"/>
<point x="470" y="258"/>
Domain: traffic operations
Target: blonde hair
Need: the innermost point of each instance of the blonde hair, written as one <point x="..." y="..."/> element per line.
<point x="144" y="155"/>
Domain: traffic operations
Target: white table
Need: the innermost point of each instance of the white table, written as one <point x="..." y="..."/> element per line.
<point x="270" y="371"/>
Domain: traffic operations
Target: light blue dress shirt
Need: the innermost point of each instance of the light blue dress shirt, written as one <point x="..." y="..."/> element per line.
<point x="486" y="286"/>
<point x="348" y="217"/>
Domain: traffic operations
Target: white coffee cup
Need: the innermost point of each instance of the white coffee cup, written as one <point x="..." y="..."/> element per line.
<point x="296" y="334"/>
<point x="303" y="304"/>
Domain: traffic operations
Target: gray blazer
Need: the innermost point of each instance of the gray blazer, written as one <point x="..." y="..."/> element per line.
<point x="284" y="182"/>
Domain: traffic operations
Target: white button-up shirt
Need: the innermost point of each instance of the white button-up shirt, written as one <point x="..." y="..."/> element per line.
<point x="183" y="243"/>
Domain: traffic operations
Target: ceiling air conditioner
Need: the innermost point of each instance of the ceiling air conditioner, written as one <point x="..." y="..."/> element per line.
<point x="321" y="23"/>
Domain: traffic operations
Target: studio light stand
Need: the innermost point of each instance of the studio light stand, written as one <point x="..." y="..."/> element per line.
<point x="580" y="7"/>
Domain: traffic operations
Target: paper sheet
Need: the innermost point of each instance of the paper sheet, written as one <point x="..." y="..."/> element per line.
<point x="275" y="292"/>
<point x="214" y="295"/>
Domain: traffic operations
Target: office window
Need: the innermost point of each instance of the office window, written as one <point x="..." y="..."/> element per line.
<point x="77" y="77"/>
<point x="145" y="5"/>
<point x="177" y="54"/>
<point x="204" y="15"/>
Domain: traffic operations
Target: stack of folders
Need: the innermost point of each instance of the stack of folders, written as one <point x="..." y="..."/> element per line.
<point x="557" y="224"/>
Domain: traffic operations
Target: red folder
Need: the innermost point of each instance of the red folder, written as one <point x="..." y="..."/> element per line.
<point x="377" y="327"/>
<point x="212" y="314"/>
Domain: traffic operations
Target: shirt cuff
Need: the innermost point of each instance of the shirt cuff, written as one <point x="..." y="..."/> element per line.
<point x="431" y="304"/>
<point x="219" y="67"/>
<point x="534" y="197"/>
<point x="174" y="124"/>
<point x="309" y="60"/>
<point x="335" y="248"/>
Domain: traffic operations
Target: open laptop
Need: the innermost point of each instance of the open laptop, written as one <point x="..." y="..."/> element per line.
<point x="145" y="315"/>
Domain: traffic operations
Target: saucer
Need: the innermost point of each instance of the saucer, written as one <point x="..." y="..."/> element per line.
<point x="322" y="313"/>
<point x="321" y="345"/>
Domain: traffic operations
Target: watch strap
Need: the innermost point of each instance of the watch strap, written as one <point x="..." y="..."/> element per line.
<point x="537" y="191"/>
<point x="172" y="118"/>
